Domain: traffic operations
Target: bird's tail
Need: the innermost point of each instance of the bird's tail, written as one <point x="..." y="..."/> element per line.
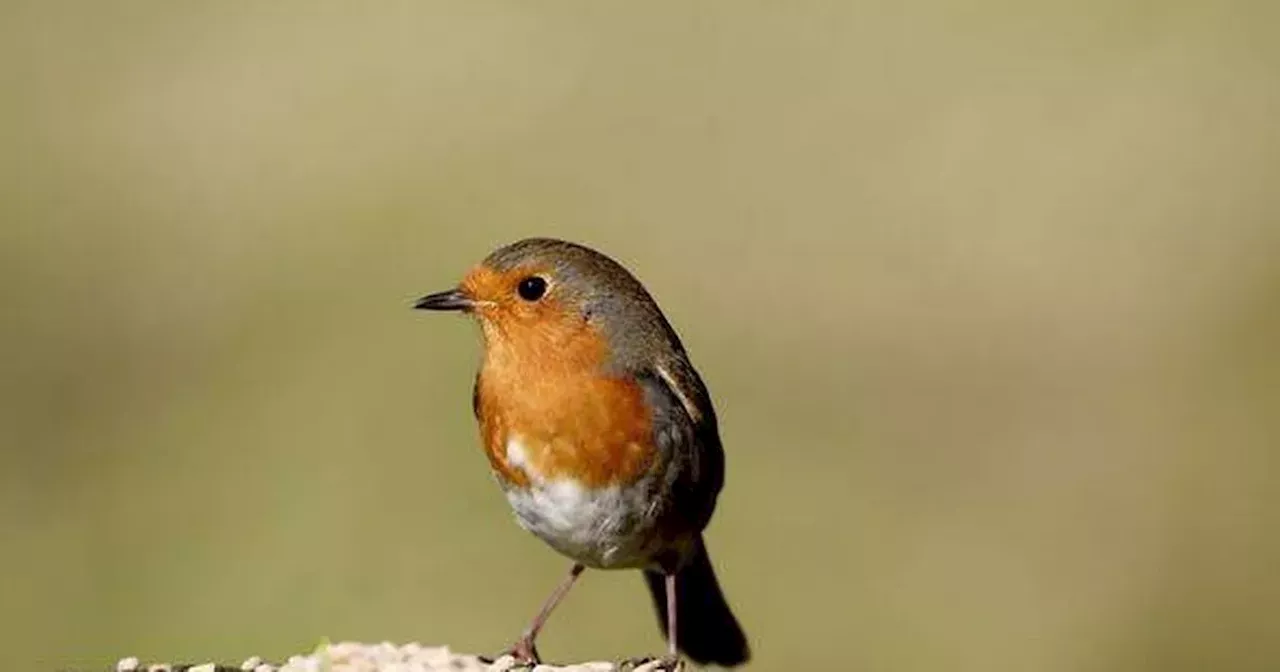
<point x="706" y="630"/>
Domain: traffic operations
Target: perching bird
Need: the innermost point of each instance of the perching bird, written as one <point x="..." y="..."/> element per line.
<point x="600" y="432"/>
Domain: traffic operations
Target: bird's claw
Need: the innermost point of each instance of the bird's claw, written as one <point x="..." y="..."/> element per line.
<point x="667" y="663"/>
<point x="524" y="652"/>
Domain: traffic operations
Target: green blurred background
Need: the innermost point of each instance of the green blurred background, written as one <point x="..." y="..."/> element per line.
<point x="987" y="293"/>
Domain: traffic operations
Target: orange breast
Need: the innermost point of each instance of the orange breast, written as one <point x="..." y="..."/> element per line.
<point x="568" y="419"/>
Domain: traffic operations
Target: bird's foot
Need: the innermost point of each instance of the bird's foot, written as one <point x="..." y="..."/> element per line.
<point x="667" y="663"/>
<point x="524" y="653"/>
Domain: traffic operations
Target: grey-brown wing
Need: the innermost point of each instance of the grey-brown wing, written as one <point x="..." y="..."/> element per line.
<point x="686" y="431"/>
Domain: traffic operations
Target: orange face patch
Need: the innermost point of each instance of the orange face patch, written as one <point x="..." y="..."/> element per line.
<point x="498" y="306"/>
<point x="541" y="384"/>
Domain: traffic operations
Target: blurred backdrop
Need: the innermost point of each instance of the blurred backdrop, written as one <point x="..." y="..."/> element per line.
<point x="987" y="295"/>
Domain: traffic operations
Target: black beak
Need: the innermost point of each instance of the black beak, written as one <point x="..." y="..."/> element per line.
<point x="452" y="299"/>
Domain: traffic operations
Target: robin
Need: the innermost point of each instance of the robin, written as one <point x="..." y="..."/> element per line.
<point x="600" y="432"/>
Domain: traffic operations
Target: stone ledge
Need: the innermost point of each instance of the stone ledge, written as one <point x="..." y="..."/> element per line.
<point x="388" y="657"/>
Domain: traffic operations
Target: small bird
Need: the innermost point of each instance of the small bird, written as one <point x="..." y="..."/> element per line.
<point x="600" y="432"/>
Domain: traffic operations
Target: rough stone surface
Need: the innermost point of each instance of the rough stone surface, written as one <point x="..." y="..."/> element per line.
<point x="388" y="657"/>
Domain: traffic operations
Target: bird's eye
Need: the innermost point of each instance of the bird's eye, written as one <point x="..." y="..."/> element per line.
<point x="532" y="288"/>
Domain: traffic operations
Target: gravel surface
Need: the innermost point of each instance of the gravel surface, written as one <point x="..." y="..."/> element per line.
<point x="387" y="657"/>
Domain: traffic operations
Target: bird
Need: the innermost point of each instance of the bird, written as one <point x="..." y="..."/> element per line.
<point x="600" y="432"/>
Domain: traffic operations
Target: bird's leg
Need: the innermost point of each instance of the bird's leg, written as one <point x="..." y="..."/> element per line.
<point x="524" y="649"/>
<point x="671" y="661"/>
<point x="671" y="616"/>
<point x="673" y="655"/>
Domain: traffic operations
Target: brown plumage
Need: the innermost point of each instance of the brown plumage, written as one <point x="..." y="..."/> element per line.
<point x="599" y="430"/>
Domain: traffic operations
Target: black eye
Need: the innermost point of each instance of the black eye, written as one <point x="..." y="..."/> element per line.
<point x="532" y="288"/>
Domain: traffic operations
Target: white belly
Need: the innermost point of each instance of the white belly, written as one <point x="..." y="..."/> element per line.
<point x="598" y="527"/>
